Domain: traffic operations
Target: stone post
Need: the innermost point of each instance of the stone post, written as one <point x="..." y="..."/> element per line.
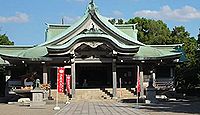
<point x="141" y="82"/>
<point x="114" y="74"/>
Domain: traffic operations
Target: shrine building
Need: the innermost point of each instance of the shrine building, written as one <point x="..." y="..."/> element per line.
<point x="92" y="50"/>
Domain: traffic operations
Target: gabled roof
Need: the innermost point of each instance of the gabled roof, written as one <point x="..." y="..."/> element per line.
<point x="128" y="29"/>
<point x="95" y="37"/>
<point x="92" y="26"/>
<point x="54" y="30"/>
<point x="103" y="24"/>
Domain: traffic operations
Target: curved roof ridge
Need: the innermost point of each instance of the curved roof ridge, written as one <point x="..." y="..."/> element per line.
<point x="82" y="36"/>
<point x="116" y="30"/>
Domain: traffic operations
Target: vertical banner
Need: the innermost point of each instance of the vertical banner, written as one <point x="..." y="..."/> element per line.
<point x="60" y="79"/>
<point x="138" y="80"/>
<point x="68" y="79"/>
<point x="138" y="85"/>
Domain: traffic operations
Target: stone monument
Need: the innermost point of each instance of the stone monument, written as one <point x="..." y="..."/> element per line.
<point x="37" y="96"/>
<point x="151" y="92"/>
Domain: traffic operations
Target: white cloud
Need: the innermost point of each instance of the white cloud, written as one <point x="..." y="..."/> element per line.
<point x="18" y="18"/>
<point x="117" y="14"/>
<point x="71" y="19"/>
<point x="185" y="13"/>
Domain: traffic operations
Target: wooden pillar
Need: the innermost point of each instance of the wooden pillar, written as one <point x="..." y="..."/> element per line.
<point x="172" y="76"/>
<point x="172" y="72"/>
<point x="73" y="77"/>
<point x="154" y="78"/>
<point x="45" y="76"/>
<point x="114" y="75"/>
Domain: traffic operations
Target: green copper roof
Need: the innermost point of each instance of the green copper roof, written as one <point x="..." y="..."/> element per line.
<point x="34" y="52"/>
<point x="66" y="32"/>
<point x="146" y="52"/>
<point x="13" y="50"/>
<point x="54" y="30"/>
<point x="37" y="51"/>
<point x="128" y="29"/>
<point x="173" y="48"/>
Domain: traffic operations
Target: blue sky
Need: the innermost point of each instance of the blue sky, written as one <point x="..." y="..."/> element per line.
<point x="24" y="20"/>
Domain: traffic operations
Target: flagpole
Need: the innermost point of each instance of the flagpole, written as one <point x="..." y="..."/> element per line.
<point x="120" y="85"/>
<point x="67" y="86"/>
<point x="57" y="107"/>
<point x="138" y="86"/>
<point x="137" y="101"/>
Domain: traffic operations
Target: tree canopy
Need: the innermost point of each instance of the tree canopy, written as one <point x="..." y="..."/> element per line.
<point x="156" y="32"/>
<point x="5" y="41"/>
<point x="151" y="31"/>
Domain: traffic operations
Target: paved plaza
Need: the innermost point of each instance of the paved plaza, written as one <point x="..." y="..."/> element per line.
<point x="178" y="107"/>
<point x="99" y="108"/>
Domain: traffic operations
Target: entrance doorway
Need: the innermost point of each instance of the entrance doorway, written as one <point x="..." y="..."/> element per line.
<point x="128" y="75"/>
<point x="93" y="75"/>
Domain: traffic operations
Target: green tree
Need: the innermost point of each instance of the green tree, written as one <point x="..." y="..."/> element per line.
<point x="180" y="36"/>
<point x="156" y="32"/>
<point x="112" y="21"/>
<point x="198" y="41"/>
<point x="151" y="31"/>
<point x="120" y="21"/>
<point x="5" y="41"/>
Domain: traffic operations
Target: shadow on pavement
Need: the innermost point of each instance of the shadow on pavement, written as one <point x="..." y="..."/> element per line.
<point x="190" y="106"/>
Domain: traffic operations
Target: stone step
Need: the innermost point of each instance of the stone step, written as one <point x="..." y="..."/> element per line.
<point x="90" y="94"/>
<point x="124" y="93"/>
<point x="61" y="96"/>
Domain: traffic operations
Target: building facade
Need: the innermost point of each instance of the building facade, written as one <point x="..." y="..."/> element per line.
<point x="92" y="50"/>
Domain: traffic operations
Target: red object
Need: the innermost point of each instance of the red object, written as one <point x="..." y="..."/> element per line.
<point x="68" y="78"/>
<point x="138" y="80"/>
<point x="60" y="79"/>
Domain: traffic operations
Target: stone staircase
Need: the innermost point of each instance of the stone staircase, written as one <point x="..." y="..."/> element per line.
<point x="61" y="96"/>
<point x="90" y="95"/>
<point x="98" y="94"/>
<point x="122" y="93"/>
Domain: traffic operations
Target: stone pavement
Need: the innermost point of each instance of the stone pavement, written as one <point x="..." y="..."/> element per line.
<point x="98" y="108"/>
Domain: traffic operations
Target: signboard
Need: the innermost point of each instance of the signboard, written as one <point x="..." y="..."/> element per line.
<point x="68" y="78"/>
<point x="60" y="79"/>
